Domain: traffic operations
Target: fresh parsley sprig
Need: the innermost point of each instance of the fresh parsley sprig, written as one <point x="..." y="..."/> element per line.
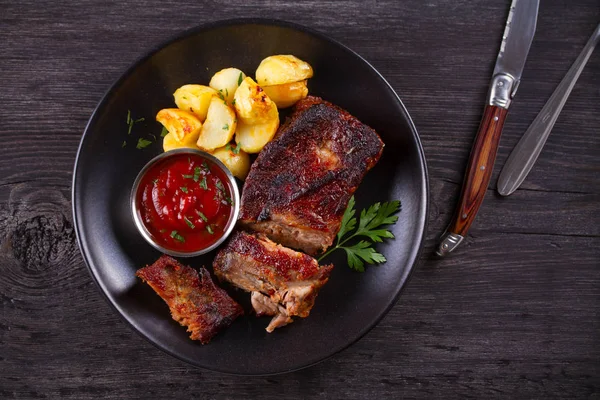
<point x="370" y="226"/>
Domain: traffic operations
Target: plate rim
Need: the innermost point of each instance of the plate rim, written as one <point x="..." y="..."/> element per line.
<point x="414" y="256"/>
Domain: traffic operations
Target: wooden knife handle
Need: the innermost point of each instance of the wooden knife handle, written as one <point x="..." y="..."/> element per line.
<point x="477" y="177"/>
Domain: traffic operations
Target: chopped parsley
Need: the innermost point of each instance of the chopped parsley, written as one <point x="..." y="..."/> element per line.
<point x="220" y="94"/>
<point x="143" y="143"/>
<point x="184" y="189"/>
<point x="233" y="102"/>
<point x="196" y="176"/>
<point x="225" y="127"/>
<point x="234" y="149"/>
<point x="130" y="121"/>
<point x="177" y="236"/>
<point x="203" y="184"/>
<point x="124" y="143"/>
<point x="189" y="223"/>
<point x="154" y="181"/>
<point x="202" y="216"/>
<point x="240" y="79"/>
<point x="209" y="229"/>
<point x="197" y="172"/>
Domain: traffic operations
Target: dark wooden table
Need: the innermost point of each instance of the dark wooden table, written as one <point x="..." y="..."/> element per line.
<point x="515" y="313"/>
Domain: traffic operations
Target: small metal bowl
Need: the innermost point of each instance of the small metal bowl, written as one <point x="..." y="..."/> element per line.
<point x="138" y="218"/>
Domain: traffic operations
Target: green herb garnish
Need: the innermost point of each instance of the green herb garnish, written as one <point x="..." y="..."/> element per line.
<point x="225" y="127"/>
<point x="240" y="79"/>
<point x="189" y="223"/>
<point x="220" y="94"/>
<point x="234" y="149"/>
<point x="130" y="121"/>
<point x="376" y="216"/>
<point x="219" y="185"/>
<point x="233" y="103"/>
<point x="177" y="236"/>
<point x="154" y="181"/>
<point x="202" y="216"/>
<point x="143" y="143"/>
<point x="184" y="189"/>
<point x="197" y="172"/>
<point x="164" y="132"/>
<point x="124" y="143"/>
<point x="209" y="229"/>
<point x="203" y="184"/>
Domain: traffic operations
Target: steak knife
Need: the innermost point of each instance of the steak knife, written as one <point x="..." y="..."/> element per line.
<point x="516" y="41"/>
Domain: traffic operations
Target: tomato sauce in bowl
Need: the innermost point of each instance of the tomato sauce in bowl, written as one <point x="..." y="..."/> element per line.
<point x="185" y="202"/>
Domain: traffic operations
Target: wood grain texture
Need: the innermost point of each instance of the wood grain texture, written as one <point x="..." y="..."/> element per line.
<point x="514" y="313"/>
<point x="479" y="169"/>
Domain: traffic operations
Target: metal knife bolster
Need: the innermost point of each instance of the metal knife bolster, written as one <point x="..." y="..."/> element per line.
<point x="449" y="241"/>
<point x="502" y="90"/>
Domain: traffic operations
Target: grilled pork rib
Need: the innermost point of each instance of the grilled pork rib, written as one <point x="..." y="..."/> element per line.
<point x="195" y="301"/>
<point x="284" y="283"/>
<point x="299" y="186"/>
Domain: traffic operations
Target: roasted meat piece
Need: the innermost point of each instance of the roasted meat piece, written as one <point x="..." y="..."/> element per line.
<point x="299" y="186"/>
<point x="284" y="283"/>
<point x="195" y="301"/>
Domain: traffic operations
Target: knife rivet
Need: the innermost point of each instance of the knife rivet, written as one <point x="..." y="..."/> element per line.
<point x="464" y="216"/>
<point x="482" y="167"/>
<point x="500" y="83"/>
<point x="495" y="118"/>
<point x="445" y="246"/>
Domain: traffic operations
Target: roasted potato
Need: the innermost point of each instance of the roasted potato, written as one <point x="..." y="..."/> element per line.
<point x="170" y="143"/>
<point x="253" y="105"/>
<point x="252" y="138"/>
<point x="235" y="159"/>
<point x="178" y="122"/>
<point x="219" y="127"/>
<point x="194" y="98"/>
<point x="280" y="69"/>
<point x="226" y="82"/>
<point x="287" y="94"/>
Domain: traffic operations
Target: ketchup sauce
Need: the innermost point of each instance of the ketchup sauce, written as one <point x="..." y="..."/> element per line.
<point x="185" y="202"/>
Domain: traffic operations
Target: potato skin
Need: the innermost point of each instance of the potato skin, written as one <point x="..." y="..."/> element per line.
<point x="287" y="94"/>
<point x="226" y="82"/>
<point x="194" y="98"/>
<point x="238" y="164"/>
<point x="283" y="68"/>
<point x="178" y="122"/>
<point x="253" y="105"/>
<point x="189" y="142"/>
<point x="219" y="127"/>
<point x="253" y="137"/>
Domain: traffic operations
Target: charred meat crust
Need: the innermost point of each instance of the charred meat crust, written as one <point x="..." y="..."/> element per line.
<point x="193" y="298"/>
<point x="289" y="280"/>
<point x="301" y="182"/>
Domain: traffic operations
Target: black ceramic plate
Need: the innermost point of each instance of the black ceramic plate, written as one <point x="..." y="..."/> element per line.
<point x="351" y="303"/>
